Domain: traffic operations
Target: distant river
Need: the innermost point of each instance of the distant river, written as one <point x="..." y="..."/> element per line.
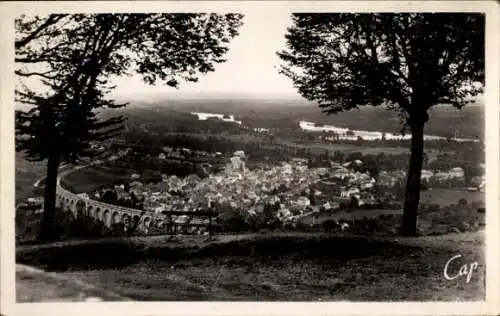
<point x="342" y="132"/>
<point x="368" y="135"/>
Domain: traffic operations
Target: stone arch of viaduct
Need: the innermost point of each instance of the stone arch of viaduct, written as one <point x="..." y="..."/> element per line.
<point x="108" y="214"/>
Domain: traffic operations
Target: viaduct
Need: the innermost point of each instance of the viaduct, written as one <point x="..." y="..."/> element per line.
<point x="110" y="214"/>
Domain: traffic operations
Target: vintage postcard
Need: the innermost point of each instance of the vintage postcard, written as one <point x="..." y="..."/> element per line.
<point x="250" y="158"/>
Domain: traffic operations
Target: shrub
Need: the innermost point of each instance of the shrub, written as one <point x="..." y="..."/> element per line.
<point x="86" y="227"/>
<point x="329" y="226"/>
<point x="231" y="220"/>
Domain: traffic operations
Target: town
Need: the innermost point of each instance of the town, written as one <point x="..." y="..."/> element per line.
<point x="282" y="195"/>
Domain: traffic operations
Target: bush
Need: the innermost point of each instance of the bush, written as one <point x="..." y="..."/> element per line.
<point x="329" y="226"/>
<point x="231" y="220"/>
<point x="66" y="226"/>
<point x="87" y="227"/>
<point x="463" y="217"/>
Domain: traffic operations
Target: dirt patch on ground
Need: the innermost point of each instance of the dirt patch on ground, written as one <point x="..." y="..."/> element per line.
<point x="34" y="285"/>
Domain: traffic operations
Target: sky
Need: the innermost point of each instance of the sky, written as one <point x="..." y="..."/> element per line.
<point x="251" y="66"/>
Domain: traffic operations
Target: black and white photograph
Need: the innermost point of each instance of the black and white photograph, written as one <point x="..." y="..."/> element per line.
<point x="252" y="152"/>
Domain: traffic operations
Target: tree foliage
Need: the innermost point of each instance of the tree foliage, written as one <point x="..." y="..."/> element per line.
<point x="343" y="61"/>
<point x="408" y="62"/>
<point x="72" y="57"/>
<point x="65" y="63"/>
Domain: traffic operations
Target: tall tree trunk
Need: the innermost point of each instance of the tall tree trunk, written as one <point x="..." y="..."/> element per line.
<point x="412" y="195"/>
<point x="48" y="232"/>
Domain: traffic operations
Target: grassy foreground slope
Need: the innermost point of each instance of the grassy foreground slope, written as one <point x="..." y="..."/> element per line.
<point x="299" y="267"/>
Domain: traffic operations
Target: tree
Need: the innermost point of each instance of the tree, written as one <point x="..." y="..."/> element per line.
<point x="406" y="61"/>
<point x="425" y="161"/>
<point x="109" y="196"/>
<point x="371" y="165"/>
<point x="64" y="63"/>
<point x="353" y="202"/>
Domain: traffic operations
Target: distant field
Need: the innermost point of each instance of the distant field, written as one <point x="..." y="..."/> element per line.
<point x="27" y="173"/>
<point x="444" y="120"/>
<point x="350" y="216"/>
<point x="444" y="197"/>
<point x="91" y="178"/>
<point x="347" y="149"/>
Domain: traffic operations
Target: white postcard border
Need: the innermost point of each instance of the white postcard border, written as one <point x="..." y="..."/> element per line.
<point x="7" y="170"/>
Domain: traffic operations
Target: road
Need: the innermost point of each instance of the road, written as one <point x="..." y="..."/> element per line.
<point x="63" y="167"/>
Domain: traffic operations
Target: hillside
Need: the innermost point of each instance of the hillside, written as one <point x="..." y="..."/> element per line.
<point x="444" y="121"/>
<point x="290" y="268"/>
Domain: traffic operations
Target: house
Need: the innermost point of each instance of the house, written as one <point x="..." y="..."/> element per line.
<point x="334" y="164"/>
<point x="322" y="171"/>
<point x="299" y="161"/>
<point x="367" y="184"/>
<point x="352" y="164"/>
<point x="303" y="202"/>
<point x="482" y="186"/>
<point x="441" y="176"/>
<point x="35" y="201"/>
<point x="136" y="184"/>
<point x="350" y="192"/>
<point x="457" y="172"/>
<point x="83" y="196"/>
<point x="426" y="175"/>
<point x="283" y="213"/>
<point x="239" y="153"/>
<point x="121" y="194"/>
<point x="237" y="163"/>
<point x="366" y="198"/>
<point x="346" y="165"/>
<point x="329" y="205"/>
<point x="341" y="173"/>
<point x="476" y="181"/>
